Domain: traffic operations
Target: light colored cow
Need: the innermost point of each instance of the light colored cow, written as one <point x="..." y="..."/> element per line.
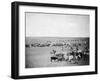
<point x="70" y="58"/>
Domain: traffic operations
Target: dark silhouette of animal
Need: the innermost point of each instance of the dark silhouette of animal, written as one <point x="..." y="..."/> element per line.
<point x="54" y="58"/>
<point x="57" y="57"/>
<point x="27" y="46"/>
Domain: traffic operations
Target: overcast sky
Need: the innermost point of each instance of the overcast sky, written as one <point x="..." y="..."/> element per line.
<point x="56" y="25"/>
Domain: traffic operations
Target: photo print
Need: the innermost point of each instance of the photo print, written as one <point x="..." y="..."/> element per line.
<point x="56" y="40"/>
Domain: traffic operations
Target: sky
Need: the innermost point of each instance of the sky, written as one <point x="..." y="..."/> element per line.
<point x="56" y="25"/>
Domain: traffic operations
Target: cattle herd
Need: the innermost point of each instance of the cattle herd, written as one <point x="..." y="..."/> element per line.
<point x="73" y="57"/>
<point x="68" y="52"/>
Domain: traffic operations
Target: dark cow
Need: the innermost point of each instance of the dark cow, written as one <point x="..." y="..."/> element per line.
<point x="57" y="57"/>
<point x="27" y="46"/>
<point x="54" y="58"/>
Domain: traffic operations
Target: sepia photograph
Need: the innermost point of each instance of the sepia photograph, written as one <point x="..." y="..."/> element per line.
<point x="56" y="40"/>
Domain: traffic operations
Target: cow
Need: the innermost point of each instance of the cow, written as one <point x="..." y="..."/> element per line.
<point x="53" y="55"/>
<point x="70" y="58"/>
<point x="53" y="52"/>
<point x="60" y="57"/>
<point x="66" y="57"/>
<point x="27" y="46"/>
<point x="57" y="57"/>
<point x="54" y="58"/>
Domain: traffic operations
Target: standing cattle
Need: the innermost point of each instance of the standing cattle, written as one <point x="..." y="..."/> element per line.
<point x="53" y="52"/>
<point x="27" y="46"/>
<point x="54" y="58"/>
<point x="70" y="58"/>
<point x="66" y="57"/>
<point x="60" y="57"/>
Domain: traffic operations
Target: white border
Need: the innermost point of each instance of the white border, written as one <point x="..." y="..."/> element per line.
<point x="53" y="70"/>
